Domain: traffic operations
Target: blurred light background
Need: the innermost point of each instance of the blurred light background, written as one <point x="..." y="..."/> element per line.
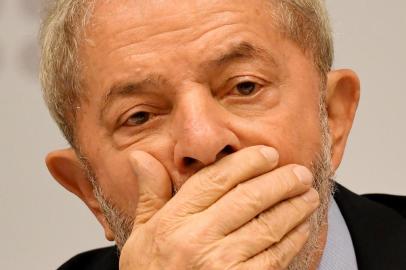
<point x="42" y="225"/>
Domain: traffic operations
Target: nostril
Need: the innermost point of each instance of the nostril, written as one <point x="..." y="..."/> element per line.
<point x="225" y="152"/>
<point x="228" y="150"/>
<point x="188" y="161"/>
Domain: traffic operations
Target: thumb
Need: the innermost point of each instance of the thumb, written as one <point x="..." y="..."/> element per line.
<point x="154" y="185"/>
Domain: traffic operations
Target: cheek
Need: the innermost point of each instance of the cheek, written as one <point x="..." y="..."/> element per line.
<point x="293" y="128"/>
<point x="116" y="175"/>
<point x="116" y="178"/>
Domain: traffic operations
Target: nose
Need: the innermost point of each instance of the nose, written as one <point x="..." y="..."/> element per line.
<point x="202" y="132"/>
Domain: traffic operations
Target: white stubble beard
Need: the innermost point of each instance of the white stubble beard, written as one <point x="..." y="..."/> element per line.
<point x="121" y="223"/>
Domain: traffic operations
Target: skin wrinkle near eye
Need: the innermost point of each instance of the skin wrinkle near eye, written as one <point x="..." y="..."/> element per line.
<point x="220" y="27"/>
<point x="242" y="50"/>
<point x="231" y="84"/>
<point x="131" y="88"/>
<point x="124" y="89"/>
<point x="125" y="117"/>
<point x="286" y="117"/>
<point x="246" y="55"/>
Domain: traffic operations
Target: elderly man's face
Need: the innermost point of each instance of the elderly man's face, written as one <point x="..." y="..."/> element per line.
<point x="189" y="82"/>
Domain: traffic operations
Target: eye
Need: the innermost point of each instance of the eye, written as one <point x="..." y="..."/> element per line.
<point x="138" y="119"/>
<point x="246" y="88"/>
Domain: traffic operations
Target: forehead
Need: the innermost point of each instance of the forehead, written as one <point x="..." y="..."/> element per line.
<point x="141" y="32"/>
<point x="164" y="46"/>
<point x="152" y="11"/>
<point x="157" y="25"/>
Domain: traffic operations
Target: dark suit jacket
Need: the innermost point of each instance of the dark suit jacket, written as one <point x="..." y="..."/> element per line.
<point x="377" y="224"/>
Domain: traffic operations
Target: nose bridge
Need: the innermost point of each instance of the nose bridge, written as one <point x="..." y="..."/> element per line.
<point x="200" y="131"/>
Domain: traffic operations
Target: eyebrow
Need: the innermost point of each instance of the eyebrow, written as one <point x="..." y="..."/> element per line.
<point x="237" y="51"/>
<point x="241" y="50"/>
<point x="129" y="88"/>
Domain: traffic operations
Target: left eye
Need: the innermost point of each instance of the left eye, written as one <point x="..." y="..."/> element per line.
<point x="246" y="88"/>
<point x="138" y="119"/>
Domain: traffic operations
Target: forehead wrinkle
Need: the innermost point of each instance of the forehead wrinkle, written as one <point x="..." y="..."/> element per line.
<point x="130" y="31"/>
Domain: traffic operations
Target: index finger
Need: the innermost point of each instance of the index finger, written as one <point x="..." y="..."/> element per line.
<point x="212" y="182"/>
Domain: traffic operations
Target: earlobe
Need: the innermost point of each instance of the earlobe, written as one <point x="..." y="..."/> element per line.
<point x="343" y="93"/>
<point x="66" y="168"/>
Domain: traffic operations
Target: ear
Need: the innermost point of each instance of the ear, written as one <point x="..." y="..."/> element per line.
<point x="343" y="93"/>
<point x="66" y="168"/>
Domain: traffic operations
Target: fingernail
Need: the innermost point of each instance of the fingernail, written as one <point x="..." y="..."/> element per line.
<point x="303" y="174"/>
<point x="269" y="153"/>
<point x="304" y="228"/>
<point x="311" y="195"/>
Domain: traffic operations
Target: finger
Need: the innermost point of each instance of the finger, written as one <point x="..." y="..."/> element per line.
<point x="154" y="185"/>
<point x="212" y="182"/>
<point x="271" y="226"/>
<point x="280" y="255"/>
<point x="251" y="198"/>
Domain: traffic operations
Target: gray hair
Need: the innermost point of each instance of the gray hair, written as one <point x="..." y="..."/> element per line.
<point x="305" y="22"/>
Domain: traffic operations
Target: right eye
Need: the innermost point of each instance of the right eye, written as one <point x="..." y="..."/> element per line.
<point x="138" y="119"/>
<point x="246" y="88"/>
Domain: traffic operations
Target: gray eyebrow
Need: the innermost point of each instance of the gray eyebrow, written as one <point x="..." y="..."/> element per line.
<point x="241" y="50"/>
<point x="130" y="88"/>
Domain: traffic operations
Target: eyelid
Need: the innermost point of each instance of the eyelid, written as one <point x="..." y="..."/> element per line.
<point x="249" y="78"/>
<point x="123" y="118"/>
<point x="232" y="82"/>
<point x="226" y="87"/>
<point x="241" y="79"/>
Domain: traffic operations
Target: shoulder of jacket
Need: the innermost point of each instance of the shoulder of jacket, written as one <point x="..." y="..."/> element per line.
<point x="101" y="259"/>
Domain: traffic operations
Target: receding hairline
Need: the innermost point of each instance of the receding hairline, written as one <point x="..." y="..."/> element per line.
<point x="63" y="92"/>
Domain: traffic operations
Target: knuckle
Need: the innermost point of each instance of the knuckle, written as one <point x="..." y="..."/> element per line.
<point x="220" y="260"/>
<point x="298" y="208"/>
<point x="287" y="184"/>
<point x="250" y="195"/>
<point x="310" y="200"/>
<point x="288" y="248"/>
<point x="288" y="181"/>
<point x="211" y="174"/>
<point x="215" y="255"/>
<point x="270" y="232"/>
<point x="186" y="248"/>
<point x="290" y="244"/>
<point x="273" y="259"/>
<point x="210" y="180"/>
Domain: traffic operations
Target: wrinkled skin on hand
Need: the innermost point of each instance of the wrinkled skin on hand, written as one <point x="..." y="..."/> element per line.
<point x="239" y="213"/>
<point x="183" y="89"/>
